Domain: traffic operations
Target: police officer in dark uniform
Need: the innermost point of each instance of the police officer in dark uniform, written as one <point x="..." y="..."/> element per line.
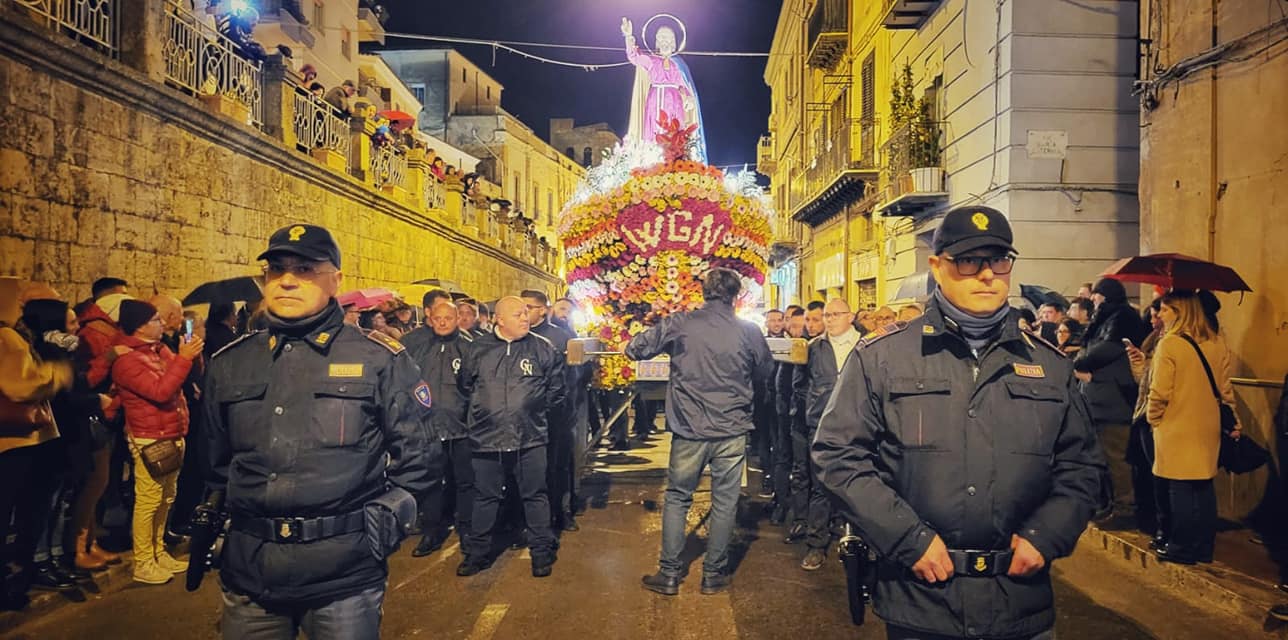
<point x="961" y="449"/>
<point x="560" y="449"/>
<point x="440" y="348"/>
<point x="318" y="440"/>
<point x="515" y="380"/>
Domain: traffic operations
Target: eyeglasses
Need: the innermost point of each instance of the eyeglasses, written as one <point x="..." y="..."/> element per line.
<point x="970" y="265"/>
<point x="301" y="270"/>
<point x="836" y="314"/>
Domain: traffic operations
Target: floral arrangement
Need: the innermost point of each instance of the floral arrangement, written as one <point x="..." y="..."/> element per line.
<point x="638" y="250"/>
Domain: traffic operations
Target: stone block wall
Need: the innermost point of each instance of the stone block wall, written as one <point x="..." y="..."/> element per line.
<point x="105" y="172"/>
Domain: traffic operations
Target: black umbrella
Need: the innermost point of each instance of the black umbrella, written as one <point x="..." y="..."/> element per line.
<point x="243" y="289"/>
<point x="1039" y="295"/>
<point x="918" y="286"/>
<point x="449" y="286"/>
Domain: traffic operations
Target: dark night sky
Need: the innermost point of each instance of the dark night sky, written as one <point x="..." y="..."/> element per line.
<point x="735" y="100"/>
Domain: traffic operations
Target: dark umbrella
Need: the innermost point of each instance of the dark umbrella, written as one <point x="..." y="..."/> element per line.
<point x="1039" y="295"/>
<point x="918" y="286"/>
<point x="243" y="289"/>
<point x="449" y="286"/>
<point x="1176" y="271"/>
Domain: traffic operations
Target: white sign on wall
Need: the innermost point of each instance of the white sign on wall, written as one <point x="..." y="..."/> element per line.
<point x="1048" y="144"/>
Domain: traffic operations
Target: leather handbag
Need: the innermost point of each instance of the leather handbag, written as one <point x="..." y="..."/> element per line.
<point x="1237" y="455"/>
<point x="22" y="418"/>
<point x="162" y="457"/>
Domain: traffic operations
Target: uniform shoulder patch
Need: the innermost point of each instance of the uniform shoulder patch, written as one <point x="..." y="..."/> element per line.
<point x="385" y="341"/>
<point x="1031" y="337"/>
<point x="235" y="342"/>
<point x="881" y="332"/>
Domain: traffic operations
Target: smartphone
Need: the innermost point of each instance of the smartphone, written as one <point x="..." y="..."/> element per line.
<point x="1127" y="343"/>
<point x="187" y="329"/>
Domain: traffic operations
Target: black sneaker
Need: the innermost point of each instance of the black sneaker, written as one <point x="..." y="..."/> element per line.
<point x="471" y="566"/>
<point x="542" y="565"/>
<point x="715" y="583"/>
<point x="47" y="576"/>
<point x="663" y="584"/>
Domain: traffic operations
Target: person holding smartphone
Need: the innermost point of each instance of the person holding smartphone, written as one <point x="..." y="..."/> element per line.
<point x="178" y="331"/>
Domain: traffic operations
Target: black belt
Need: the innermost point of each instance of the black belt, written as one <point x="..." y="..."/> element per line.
<point x="980" y="563"/>
<point x="298" y="530"/>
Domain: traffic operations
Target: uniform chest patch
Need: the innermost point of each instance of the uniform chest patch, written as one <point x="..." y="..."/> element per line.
<point x="422" y="395"/>
<point x="1029" y="370"/>
<point x="345" y="370"/>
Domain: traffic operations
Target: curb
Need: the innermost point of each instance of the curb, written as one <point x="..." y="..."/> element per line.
<point x="1211" y="586"/>
<point x="46" y="603"/>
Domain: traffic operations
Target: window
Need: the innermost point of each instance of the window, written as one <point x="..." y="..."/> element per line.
<point x="586" y="156"/>
<point x="418" y="91"/>
<point x="867" y="77"/>
<point x="464" y="75"/>
<point x="489" y="93"/>
<point x="571" y="153"/>
<point x="318" y="15"/>
<point x="346" y="43"/>
<point x="550" y="207"/>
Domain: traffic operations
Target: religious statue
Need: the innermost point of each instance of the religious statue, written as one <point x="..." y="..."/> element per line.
<point x="663" y="88"/>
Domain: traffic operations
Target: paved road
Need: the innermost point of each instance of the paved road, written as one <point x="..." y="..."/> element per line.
<point x="594" y="592"/>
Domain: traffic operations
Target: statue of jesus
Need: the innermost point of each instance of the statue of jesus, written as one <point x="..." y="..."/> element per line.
<point x="663" y="87"/>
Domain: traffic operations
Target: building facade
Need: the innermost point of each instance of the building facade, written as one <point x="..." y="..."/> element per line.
<point x="887" y="114"/>
<point x="586" y="144"/>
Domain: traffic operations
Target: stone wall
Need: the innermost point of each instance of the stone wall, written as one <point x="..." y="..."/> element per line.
<point x="104" y="171"/>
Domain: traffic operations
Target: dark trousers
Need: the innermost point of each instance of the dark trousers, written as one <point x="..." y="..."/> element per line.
<point x="781" y="454"/>
<point x="192" y="475"/>
<point x="764" y="419"/>
<point x="356" y="617"/>
<point x="801" y="480"/>
<point x="528" y="468"/>
<point x="454" y="495"/>
<point x="645" y="416"/>
<point x="903" y="633"/>
<point x="610" y="402"/>
<point x="1193" y="518"/>
<point x="818" y="518"/>
<point x="559" y="463"/>
<point x="28" y="480"/>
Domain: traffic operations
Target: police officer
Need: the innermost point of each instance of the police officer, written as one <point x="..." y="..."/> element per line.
<point x="559" y="451"/>
<point x="814" y="382"/>
<point x="515" y="379"/>
<point x="961" y="449"/>
<point x="440" y="349"/>
<point x="783" y="409"/>
<point x="317" y="433"/>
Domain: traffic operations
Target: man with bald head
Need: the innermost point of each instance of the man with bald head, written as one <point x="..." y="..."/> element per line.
<point x="191" y="485"/>
<point x="515" y="380"/>
<point x="814" y="382"/>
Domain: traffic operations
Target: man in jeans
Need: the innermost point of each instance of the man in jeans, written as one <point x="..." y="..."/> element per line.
<point x="716" y="362"/>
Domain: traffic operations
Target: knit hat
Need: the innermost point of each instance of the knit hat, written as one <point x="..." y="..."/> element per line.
<point x="1111" y="289"/>
<point x="135" y="314"/>
<point x="111" y="304"/>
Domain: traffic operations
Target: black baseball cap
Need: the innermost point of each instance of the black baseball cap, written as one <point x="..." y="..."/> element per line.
<point x="304" y="240"/>
<point x="973" y="227"/>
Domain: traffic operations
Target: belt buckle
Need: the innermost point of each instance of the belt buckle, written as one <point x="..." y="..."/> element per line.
<point x="980" y="563"/>
<point x="288" y="528"/>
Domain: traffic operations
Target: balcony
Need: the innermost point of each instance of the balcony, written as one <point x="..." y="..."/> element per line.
<point x="370" y="26"/>
<point x="829" y="32"/>
<point x="766" y="163"/>
<point x="290" y="18"/>
<point x="907" y="14"/>
<point x="915" y="171"/>
<point x="840" y="173"/>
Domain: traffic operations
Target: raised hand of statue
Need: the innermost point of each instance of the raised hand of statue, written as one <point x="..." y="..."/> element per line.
<point x="627" y="28"/>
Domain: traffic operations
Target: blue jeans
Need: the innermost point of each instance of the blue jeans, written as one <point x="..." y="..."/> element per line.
<point x="688" y="458"/>
<point x="356" y="617"/>
<point x="49" y="542"/>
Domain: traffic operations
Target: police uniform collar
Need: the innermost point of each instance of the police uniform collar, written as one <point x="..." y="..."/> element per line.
<point x="319" y="330"/>
<point x="936" y="323"/>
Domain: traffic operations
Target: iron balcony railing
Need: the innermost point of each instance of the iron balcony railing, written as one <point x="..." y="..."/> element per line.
<point x="203" y="62"/>
<point x="388" y="166"/>
<point x="915" y="145"/>
<point x="93" y="22"/>
<point x="318" y="126"/>
<point x="849" y="145"/>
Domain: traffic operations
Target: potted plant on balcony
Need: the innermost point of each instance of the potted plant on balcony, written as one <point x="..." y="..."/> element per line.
<point x="927" y="172"/>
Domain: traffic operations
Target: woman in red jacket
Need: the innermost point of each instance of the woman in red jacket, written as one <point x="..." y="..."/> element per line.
<point x="150" y="380"/>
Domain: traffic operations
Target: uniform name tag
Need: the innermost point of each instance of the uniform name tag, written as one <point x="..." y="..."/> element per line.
<point x="1029" y="370"/>
<point x="346" y="370"/>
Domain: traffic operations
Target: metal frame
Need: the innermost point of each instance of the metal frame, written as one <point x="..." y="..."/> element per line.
<point x="317" y="126"/>
<point x="202" y="61"/>
<point x="94" y="22"/>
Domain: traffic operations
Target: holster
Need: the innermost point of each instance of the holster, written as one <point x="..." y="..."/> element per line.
<point x="389" y="520"/>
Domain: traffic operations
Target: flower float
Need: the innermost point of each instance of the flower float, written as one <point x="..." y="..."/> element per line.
<point x="643" y="230"/>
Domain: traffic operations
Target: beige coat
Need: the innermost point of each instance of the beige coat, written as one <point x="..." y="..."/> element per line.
<point x="1185" y="417"/>
<point x="27" y="380"/>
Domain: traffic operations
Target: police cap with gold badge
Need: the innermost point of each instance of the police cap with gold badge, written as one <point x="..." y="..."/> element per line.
<point x="973" y="227"/>
<point x="304" y="240"/>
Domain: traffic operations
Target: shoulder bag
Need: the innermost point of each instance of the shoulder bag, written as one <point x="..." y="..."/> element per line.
<point x="1238" y="455"/>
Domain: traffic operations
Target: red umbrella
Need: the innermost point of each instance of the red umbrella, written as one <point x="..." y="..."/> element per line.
<point x="399" y="120"/>
<point x="1176" y="271"/>
<point x="365" y="299"/>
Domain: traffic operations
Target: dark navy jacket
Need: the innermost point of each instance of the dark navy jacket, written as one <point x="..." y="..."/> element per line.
<point x="441" y="359"/>
<point x="310" y="422"/>
<point x="717" y="360"/>
<point x="923" y="437"/>
<point x="513" y="388"/>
